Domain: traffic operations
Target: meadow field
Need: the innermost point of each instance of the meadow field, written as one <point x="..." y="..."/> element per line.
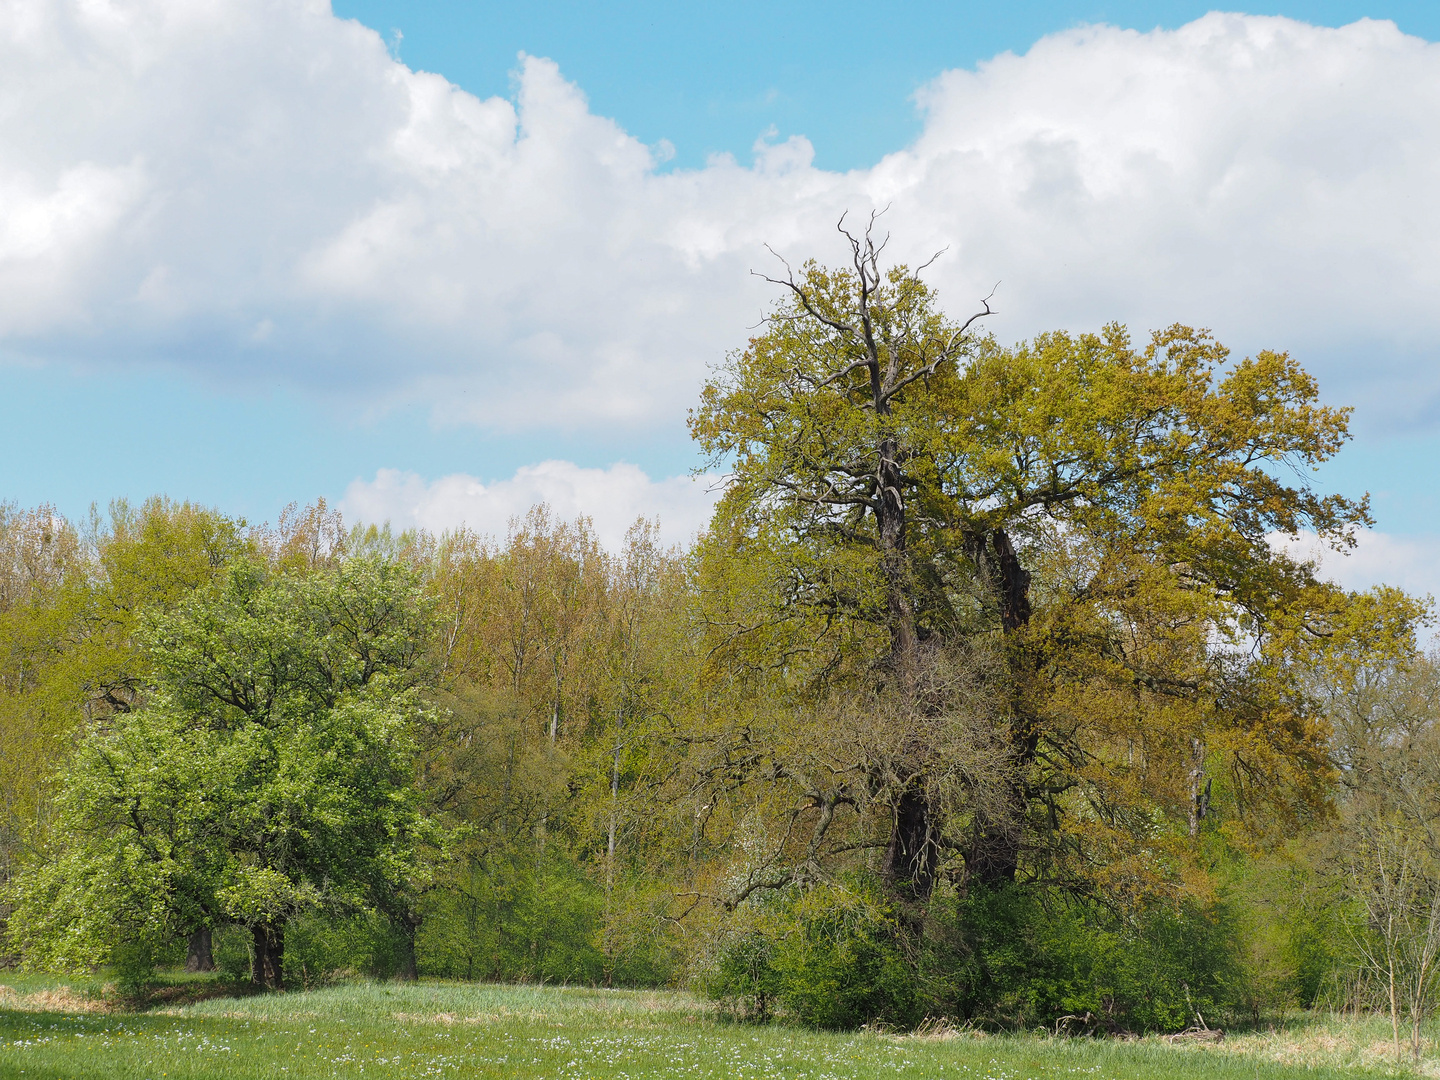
<point x="53" y="1029"/>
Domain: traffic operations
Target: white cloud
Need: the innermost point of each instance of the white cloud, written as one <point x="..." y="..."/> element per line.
<point x="258" y="191"/>
<point x="1411" y="563"/>
<point x="612" y="498"/>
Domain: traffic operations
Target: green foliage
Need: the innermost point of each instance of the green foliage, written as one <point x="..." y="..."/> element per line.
<point x="1015" y="957"/>
<point x="742" y="976"/>
<point x="269" y="776"/>
<point x="231" y="946"/>
<point x="1315" y="951"/>
<point x="69" y="604"/>
<point x="528" y="920"/>
<point x="511" y="919"/>
<point x="827" y="957"/>
<point x="321" y="949"/>
<point x="1290" y="927"/>
<point x="133" y="964"/>
<point x="841" y="965"/>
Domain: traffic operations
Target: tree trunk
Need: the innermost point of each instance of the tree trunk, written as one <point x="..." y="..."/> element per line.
<point x="993" y="857"/>
<point x="1199" y="787"/>
<point x="267" y="956"/>
<point x="607" y="941"/>
<point x="555" y="712"/>
<point x="1390" y="963"/>
<point x="541" y="828"/>
<point x="409" y="962"/>
<point x="614" y="816"/>
<point x="199" y="954"/>
<point x="890" y="522"/>
<point x="911" y="856"/>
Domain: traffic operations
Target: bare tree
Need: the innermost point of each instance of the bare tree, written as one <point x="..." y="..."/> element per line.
<point x="1394" y="879"/>
<point x="1389" y="752"/>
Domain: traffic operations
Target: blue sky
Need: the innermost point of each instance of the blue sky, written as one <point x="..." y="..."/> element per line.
<point x="155" y="366"/>
<point x="712" y="77"/>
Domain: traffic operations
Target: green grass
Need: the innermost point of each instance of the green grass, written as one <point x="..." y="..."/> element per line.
<point x="465" y="1030"/>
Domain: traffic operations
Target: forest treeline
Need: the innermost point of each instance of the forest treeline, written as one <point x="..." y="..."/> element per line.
<point x="988" y="692"/>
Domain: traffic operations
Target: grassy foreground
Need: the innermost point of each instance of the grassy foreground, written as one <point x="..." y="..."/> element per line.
<point x="51" y="1029"/>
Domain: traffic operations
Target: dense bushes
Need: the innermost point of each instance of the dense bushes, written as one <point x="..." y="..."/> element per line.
<point x="1013" y="957"/>
<point x="532" y="924"/>
<point x="1019" y="957"/>
<point x="509" y="919"/>
<point x="826" y="957"/>
<point x="838" y="957"/>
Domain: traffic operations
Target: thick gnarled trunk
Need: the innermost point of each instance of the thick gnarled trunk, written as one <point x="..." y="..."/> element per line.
<point x="267" y="956"/>
<point x="199" y="951"/>
<point x="993" y="855"/>
<point x="912" y="855"/>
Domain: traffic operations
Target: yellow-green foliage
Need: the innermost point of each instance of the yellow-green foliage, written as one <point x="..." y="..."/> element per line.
<point x="70" y="606"/>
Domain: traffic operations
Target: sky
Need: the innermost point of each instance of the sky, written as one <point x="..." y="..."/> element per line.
<point x="437" y="260"/>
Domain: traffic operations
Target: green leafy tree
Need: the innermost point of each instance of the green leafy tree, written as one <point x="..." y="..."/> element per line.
<point x="70" y="605"/>
<point x="270" y="774"/>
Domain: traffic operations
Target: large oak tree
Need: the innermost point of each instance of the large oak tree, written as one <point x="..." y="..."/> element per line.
<point x="1096" y="515"/>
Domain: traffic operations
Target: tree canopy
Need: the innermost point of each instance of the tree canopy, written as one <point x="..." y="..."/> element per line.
<point x="1097" y="516"/>
<point x="269" y="773"/>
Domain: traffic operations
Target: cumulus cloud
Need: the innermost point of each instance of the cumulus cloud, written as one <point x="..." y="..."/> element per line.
<point x="1411" y="563"/>
<point x="611" y="498"/>
<point x="260" y="192"/>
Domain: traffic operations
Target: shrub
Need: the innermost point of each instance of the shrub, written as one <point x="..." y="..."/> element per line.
<point x="511" y="919"/>
<point x="133" y="964"/>
<point x="1017" y="957"/>
<point x="743" y="978"/>
<point x="827" y="957"/>
<point x="318" y="949"/>
<point x="230" y="945"/>
<point x="842" y="966"/>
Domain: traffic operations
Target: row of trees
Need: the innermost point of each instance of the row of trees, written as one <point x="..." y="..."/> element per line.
<point x="977" y="634"/>
<point x="211" y="725"/>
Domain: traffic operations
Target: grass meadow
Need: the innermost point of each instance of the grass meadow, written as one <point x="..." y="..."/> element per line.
<point x="189" y="1030"/>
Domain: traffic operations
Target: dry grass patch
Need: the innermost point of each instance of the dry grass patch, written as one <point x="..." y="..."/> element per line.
<point x="941" y="1029"/>
<point x="498" y="1016"/>
<point x="1320" y="1041"/>
<point x="61" y="999"/>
